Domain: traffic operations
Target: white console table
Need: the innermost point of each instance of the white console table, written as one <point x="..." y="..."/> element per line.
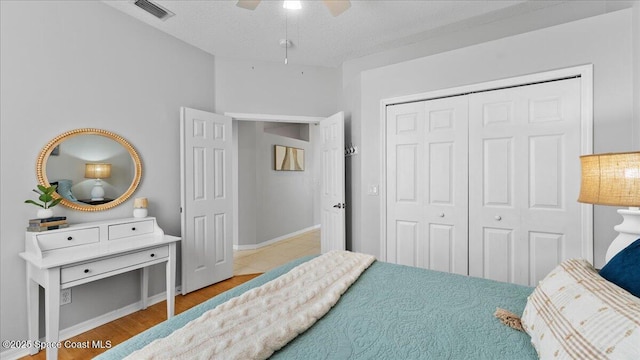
<point x="60" y="259"/>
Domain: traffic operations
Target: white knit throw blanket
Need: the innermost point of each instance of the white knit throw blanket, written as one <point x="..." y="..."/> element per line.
<point x="262" y="320"/>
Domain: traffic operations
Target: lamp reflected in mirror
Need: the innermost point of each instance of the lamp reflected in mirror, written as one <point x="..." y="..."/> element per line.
<point x="98" y="172"/>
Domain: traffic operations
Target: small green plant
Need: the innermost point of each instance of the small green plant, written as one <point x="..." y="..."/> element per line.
<point x="46" y="196"/>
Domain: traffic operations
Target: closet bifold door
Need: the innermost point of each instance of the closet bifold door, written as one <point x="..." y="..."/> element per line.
<point x="524" y="147"/>
<point x="427" y="184"/>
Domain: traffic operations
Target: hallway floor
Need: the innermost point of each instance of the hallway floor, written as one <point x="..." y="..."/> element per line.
<point x="271" y="256"/>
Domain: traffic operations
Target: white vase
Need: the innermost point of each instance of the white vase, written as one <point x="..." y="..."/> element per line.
<point x="140" y="212"/>
<point x="45" y="213"/>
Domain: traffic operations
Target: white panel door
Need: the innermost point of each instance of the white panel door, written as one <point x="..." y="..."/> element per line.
<point x="206" y="198"/>
<point x="524" y="148"/>
<point x="405" y="212"/>
<point x="332" y="222"/>
<point x="427" y="184"/>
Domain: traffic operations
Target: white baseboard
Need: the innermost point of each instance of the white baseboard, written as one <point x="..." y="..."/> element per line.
<point x="85" y="326"/>
<point x="279" y="238"/>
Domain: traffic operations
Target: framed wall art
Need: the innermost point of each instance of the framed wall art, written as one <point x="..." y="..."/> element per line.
<point x="288" y="158"/>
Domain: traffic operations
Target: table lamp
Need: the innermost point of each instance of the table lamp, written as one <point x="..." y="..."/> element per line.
<point x="614" y="179"/>
<point x="97" y="171"/>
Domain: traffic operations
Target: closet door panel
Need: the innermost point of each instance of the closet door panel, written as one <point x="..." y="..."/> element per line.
<point x="407" y="243"/>
<point x="404" y="195"/>
<point x="427" y="184"/>
<point x="530" y="186"/>
<point x="407" y="173"/>
<point x="546" y="178"/>
<point x="497" y="172"/>
<point x="546" y="250"/>
<point x="497" y="254"/>
<point x="446" y="185"/>
<point x="441" y="247"/>
<point x="441" y="173"/>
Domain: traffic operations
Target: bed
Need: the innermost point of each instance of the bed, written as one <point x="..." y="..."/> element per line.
<point x="344" y="305"/>
<point x="390" y="312"/>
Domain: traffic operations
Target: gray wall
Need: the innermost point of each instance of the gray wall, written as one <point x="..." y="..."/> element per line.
<point x="272" y="203"/>
<point x="604" y="41"/>
<point x="247" y="138"/>
<point x="67" y="65"/>
<point x="291" y="130"/>
<point x="74" y="64"/>
<point x="274" y="88"/>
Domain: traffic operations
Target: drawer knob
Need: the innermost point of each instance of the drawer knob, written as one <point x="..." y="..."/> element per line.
<point x="133" y="229"/>
<point x="70" y="238"/>
<point x="153" y="255"/>
<point x="86" y="271"/>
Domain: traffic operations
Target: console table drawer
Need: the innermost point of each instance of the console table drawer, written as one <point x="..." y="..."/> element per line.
<point x="135" y="228"/>
<point x="63" y="239"/>
<point x="98" y="267"/>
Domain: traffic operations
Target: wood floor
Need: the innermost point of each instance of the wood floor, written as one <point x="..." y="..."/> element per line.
<point x="271" y="256"/>
<point x="126" y="327"/>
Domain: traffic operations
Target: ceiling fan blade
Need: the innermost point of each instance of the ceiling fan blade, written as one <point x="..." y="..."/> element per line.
<point x="337" y="7"/>
<point x="248" y="4"/>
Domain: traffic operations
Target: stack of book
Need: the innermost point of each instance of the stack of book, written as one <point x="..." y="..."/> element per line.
<point x="52" y="223"/>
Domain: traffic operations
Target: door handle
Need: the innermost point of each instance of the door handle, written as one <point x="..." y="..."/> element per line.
<point x="339" y="205"/>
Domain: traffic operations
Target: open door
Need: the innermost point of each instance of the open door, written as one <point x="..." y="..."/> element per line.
<point x="206" y="198"/>
<point x="332" y="187"/>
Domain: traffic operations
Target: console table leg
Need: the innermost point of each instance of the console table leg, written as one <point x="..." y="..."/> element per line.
<point x="52" y="311"/>
<point x="144" y="287"/>
<point x="33" y="304"/>
<point x="171" y="281"/>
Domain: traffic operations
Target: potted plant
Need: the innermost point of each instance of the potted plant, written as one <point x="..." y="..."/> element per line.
<point x="47" y="201"/>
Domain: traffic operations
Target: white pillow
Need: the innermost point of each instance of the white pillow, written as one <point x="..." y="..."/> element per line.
<point x="574" y="313"/>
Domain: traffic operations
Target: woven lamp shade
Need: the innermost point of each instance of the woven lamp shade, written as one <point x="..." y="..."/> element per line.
<point x="611" y="179"/>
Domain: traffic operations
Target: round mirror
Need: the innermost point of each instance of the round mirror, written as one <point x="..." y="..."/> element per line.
<point x="94" y="169"/>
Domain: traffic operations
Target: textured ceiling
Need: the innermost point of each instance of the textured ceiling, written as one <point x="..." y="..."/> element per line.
<point x="221" y="28"/>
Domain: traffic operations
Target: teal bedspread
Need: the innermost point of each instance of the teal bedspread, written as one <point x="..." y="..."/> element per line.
<point x="392" y="312"/>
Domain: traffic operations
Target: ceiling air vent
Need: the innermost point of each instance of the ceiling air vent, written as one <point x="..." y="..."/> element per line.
<point x="154" y="9"/>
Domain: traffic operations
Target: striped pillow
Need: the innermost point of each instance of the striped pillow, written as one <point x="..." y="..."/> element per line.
<point x="574" y="313"/>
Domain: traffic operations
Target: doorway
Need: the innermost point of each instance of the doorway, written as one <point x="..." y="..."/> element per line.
<point x="209" y="191"/>
<point x="278" y="212"/>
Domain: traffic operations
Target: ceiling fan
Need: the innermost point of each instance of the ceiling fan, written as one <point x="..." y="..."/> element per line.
<point x="336" y="7"/>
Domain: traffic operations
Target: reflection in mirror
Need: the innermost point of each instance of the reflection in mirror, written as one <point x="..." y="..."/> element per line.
<point x="94" y="169"/>
<point x="82" y="153"/>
